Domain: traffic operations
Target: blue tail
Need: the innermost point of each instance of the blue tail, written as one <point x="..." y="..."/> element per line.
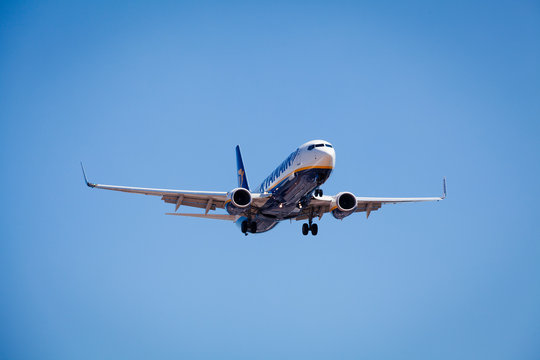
<point x="242" y="178"/>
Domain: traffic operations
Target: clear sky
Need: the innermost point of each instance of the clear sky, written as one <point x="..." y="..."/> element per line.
<point x="157" y="94"/>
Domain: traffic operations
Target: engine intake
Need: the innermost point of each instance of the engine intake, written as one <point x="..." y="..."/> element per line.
<point x="240" y="201"/>
<point x="344" y="204"/>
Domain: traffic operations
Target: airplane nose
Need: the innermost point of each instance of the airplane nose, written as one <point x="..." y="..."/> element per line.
<point x="326" y="157"/>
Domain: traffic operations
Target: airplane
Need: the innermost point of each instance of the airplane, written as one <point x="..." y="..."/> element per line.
<point x="291" y="191"/>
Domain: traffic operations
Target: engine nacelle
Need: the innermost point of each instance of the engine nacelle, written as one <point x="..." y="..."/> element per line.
<point x="238" y="201"/>
<point x="344" y="204"/>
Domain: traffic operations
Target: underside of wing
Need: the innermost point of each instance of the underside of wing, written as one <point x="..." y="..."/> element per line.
<point x="208" y="216"/>
<point x="317" y="208"/>
<point x="320" y="205"/>
<point x="208" y="200"/>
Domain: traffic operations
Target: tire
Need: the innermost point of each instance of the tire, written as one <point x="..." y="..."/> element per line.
<point x="253" y="227"/>
<point x="244" y="226"/>
<point x="314" y="229"/>
<point x="305" y="229"/>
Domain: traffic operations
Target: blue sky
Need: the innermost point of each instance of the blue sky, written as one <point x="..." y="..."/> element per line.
<point x="157" y="94"/>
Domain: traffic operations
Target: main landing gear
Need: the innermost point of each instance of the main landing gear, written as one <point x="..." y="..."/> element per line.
<point x="318" y="193"/>
<point x="306" y="228"/>
<point x="249" y="226"/>
<point x="310" y="226"/>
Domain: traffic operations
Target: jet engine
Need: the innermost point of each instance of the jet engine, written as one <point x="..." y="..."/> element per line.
<point x="344" y="204"/>
<point x="238" y="201"/>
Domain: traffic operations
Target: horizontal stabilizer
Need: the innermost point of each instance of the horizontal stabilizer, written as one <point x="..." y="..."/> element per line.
<point x="208" y="216"/>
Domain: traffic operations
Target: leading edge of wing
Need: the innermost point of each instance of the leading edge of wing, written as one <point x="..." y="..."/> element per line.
<point x="399" y="200"/>
<point x="396" y="200"/>
<point x="150" y="191"/>
<point x="158" y="192"/>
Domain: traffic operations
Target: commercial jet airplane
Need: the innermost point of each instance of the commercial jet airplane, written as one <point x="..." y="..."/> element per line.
<point x="291" y="191"/>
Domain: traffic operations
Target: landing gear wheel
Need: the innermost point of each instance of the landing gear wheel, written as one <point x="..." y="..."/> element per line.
<point x="314" y="229"/>
<point x="253" y="227"/>
<point x="305" y="229"/>
<point x="318" y="193"/>
<point x="244" y="227"/>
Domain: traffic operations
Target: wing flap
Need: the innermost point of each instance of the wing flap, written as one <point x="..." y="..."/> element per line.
<point x="197" y="202"/>
<point x="208" y="216"/>
<point x="368" y="206"/>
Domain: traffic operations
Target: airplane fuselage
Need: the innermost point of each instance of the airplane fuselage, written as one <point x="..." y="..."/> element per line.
<point x="293" y="182"/>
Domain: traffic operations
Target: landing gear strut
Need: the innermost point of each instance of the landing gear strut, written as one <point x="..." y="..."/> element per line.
<point x="306" y="228"/>
<point x="248" y="226"/>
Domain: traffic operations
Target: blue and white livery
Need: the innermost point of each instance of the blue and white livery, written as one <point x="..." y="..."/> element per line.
<point x="291" y="191"/>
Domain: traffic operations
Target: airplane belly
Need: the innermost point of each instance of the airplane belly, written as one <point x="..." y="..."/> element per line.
<point x="287" y="195"/>
<point x="264" y="224"/>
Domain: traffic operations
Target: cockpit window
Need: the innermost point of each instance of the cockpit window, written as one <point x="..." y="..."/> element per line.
<point x="311" y="147"/>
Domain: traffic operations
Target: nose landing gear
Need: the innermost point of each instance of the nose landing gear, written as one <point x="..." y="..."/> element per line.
<point x="318" y="193"/>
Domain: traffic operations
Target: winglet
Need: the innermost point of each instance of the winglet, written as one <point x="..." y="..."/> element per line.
<point x="444" y="188"/>
<point x="89" y="184"/>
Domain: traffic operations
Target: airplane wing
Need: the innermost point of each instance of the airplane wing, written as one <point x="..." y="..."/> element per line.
<point x="209" y="216"/>
<point x="208" y="200"/>
<point x="320" y="205"/>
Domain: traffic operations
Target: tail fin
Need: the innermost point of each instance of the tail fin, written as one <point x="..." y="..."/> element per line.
<point x="242" y="178"/>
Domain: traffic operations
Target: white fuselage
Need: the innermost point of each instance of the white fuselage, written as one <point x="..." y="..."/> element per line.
<point x="292" y="183"/>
